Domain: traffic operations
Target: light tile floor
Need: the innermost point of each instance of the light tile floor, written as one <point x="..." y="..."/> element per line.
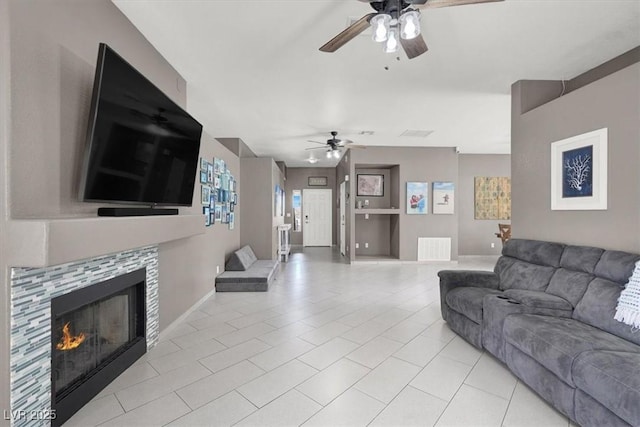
<point x="329" y="344"/>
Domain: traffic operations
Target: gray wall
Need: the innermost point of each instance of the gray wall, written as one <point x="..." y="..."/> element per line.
<point x="4" y="143"/>
<point x="257" y="219"/>
<point x="53" y="49"/>
<point x="298" y="179"/>
<point x="475" y="236"/>
<point x="610" y="102"/>
<point x="415" y="164"/>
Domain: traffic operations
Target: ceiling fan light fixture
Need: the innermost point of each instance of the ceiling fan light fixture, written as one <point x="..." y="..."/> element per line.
<point x="329" y="154"/>
<point x="391" y="45"/>
<point x="336" y="154"/>
<point x="380" y="26"/>
<point x="410" y="25"/>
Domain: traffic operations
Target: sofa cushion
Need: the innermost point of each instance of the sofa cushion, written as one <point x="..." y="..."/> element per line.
<point x="598" y="307"/>
<point x="613" y="379"/>
<point x="555" y="342"/>
<point x="524" y="275"/>
<point x="241" y="260"/>
<point x="616" y="266"/>
<point x="254" y="275"/>
<point x="538" y="299"/>
<point x="468" y="301"/>
<point x="569" y="284"/>
<point x="581" y="258"/>
<point x="534" y="251"/>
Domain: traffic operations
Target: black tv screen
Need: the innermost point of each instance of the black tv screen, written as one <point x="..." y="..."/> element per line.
<point x="142" y="148"/>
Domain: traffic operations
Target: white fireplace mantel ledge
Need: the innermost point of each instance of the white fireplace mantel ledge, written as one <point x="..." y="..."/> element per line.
<point x="47" y="242"/>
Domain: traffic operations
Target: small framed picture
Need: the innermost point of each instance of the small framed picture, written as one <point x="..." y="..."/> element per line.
<point x="317" y="181"/>
<point x="203" y="163"/>
<point x="207" y="215"/>
<point x="210" y="173"/>
<point x="212" y="217"/>
<point x="235" y="198"/>
<point x="203" y="177"/>
<point x="206" y="194"/>
<point x="218" y="212"/>
<point x="232" y="207"/>
<point x="370" y="185"/>
<point x="216" y="166"/>
<point x="232" y="221"/>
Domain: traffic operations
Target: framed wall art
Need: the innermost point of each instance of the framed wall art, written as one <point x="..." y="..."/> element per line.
<point x="417" y="196"/>
<point x="579" y="172"/>
<point x="443" y="198"/>
<point x="492" y="197"/>
<point x="317" y="181"/>
<point x="370" y="185"/>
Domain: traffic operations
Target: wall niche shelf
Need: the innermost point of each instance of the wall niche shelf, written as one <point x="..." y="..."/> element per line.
<point x="377" y="222"/>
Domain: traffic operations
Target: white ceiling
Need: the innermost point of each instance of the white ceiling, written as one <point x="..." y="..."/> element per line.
<point x="254" y="71"/>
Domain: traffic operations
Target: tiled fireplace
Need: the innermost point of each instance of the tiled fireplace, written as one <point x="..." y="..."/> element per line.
<point x="107" y="315"/>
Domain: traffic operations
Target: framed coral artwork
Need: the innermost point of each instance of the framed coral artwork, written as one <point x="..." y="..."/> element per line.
<point x="579" y="172"/>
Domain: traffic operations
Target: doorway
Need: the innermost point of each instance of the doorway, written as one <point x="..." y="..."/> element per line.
<point x="316" y="215"/>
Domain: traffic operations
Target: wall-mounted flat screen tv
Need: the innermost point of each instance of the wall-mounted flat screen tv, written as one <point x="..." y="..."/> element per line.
<point x="142" y="148"/>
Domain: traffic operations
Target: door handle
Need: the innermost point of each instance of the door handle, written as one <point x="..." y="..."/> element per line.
<point x="306" y="219"/>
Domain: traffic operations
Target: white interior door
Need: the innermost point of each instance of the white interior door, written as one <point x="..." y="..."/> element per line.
<point x="316" y="217"/>
<point x="342" y="213"/>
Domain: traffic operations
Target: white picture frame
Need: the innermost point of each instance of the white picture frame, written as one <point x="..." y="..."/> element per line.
<point x="579" y="172"/>
<point x="443" y="198"/>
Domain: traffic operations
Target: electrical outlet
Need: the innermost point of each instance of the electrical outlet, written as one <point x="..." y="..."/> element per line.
<point x="366" y="245"/>
<point x="366" y="202"/>
<point x="493" y="245"/>
<point x="357" y="245"/>
<point x="366" y="216"/>
<point x="217" y="269"/>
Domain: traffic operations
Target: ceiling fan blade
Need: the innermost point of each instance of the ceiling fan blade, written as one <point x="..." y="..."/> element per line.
<point x="414" y="47"/>
<point x="318" y="148"/>
<point x="317" y="142"/>
<point x="345" y="36"/>
<point x="343" y="142"/>
<point x="431" y="4"/>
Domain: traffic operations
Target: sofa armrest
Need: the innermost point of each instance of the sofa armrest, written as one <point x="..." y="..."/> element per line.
<point x="451" y="279"/>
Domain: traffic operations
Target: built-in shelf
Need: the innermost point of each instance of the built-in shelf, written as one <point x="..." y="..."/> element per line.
<point x="377" y="211"/>
<point x="47" y="242"/>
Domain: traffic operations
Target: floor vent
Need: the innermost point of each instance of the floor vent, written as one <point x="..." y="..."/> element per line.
<point x="434" y="249"/>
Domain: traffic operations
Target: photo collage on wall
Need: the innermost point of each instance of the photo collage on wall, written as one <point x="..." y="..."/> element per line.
<point x="218" y="192"/>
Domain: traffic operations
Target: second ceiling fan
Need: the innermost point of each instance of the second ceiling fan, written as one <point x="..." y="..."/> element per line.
<point x="394" y="22"/>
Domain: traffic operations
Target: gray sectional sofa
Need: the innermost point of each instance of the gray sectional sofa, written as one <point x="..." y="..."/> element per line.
<point x="547" y="311"/>
<point x="246" y="273"/>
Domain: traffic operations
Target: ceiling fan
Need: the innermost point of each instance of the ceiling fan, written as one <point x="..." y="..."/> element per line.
<point x="393" y="22"/>
<point x="333" y="145"/>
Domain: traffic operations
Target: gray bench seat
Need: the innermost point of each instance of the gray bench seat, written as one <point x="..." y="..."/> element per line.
<point x="245" y="273"/>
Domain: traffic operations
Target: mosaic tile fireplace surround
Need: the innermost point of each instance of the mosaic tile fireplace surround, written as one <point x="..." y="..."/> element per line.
<point x="32" y="290"/>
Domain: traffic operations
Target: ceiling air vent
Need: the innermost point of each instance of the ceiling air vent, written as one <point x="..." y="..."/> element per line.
<point x="416" y="133"/>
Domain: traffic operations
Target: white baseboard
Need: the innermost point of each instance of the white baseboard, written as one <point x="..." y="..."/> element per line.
<point x="166" y="331"/>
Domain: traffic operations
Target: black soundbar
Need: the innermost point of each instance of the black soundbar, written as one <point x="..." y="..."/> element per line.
<point x="136" y="211"/>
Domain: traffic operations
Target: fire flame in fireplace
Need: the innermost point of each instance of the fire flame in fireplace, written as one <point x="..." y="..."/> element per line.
<point x="68" y="341"/>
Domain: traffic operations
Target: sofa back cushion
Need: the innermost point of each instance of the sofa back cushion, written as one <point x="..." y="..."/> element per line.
<point x="569" y="284"/>
<point x="241" y="259"/>
<point x="516" y="274"/>
<point x="598" y="307"/>
<point x="616" y="266"/>
<point x="581" y="258"/>
<point x="534" y="251"/>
